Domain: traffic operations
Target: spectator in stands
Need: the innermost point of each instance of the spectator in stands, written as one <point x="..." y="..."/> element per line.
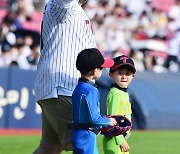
<point x="22" y="57"/>
<point x="148" y="62"/>
<point x="33" y="58"/>
<point x="6" y="55"/>
<point x="28" y="42"/>
<point x="138" y="57"/>
<point x="173" y="61"/>
<point x="174" y="11"/>
<point x="158" y="65"/>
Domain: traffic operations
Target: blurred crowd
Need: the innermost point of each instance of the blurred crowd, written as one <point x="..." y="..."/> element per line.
<point x="141" y="29"/>
<point x="20" y="33"/>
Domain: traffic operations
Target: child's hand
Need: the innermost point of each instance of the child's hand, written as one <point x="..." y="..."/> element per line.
<point x="113" y="122"/>
<point x="124" y="146"/>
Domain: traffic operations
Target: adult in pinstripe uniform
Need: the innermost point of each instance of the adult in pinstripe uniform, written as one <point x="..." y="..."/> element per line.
<point x="66" y="30"/>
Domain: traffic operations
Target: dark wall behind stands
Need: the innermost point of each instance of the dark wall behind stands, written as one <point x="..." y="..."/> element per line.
<point x="155" y="99"/>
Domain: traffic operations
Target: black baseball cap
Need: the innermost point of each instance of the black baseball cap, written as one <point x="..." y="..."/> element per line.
<point x="90" y="59"/>
<point x="123" y="61"/>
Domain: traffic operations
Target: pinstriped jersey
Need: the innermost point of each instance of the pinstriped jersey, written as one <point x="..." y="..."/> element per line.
<point x="66" y="30"/>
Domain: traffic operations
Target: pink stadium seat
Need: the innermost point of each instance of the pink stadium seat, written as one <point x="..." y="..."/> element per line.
<point x="163" y="5"/>
<point x="2" y="13"/>
<point x="35" y="23"/>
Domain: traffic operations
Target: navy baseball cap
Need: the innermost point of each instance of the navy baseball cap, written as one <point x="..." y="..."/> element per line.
<point x="90" y="59"/>
<point x="123" y="61"/>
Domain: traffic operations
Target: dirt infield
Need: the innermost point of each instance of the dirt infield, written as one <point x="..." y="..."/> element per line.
<point x="7" y="132"/>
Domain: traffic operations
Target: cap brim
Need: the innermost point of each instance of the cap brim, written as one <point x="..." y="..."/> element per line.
<point x="125" y="64"/>
<point x="107" y="63"/>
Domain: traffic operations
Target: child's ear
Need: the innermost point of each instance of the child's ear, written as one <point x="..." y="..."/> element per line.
<point x="94" y="71"/>
<point x="111" y="74"/>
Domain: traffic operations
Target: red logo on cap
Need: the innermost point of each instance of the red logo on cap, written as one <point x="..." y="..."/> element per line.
<point x="124" y="59"/>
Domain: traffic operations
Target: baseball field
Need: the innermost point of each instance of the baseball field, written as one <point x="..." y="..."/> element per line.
<point x="141" y="142"/>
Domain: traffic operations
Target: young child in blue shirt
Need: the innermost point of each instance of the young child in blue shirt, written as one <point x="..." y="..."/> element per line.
<point x="86" y="117"/>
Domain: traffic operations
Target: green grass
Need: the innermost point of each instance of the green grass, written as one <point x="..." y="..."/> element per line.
<point x="141" y="142"/>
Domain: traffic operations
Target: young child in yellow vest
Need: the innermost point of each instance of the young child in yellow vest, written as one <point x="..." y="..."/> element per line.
<point x="122" y="72"/>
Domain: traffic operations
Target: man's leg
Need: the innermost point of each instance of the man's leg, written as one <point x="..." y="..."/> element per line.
<point x="49" y="142"/>
<point x="56" y="116"/>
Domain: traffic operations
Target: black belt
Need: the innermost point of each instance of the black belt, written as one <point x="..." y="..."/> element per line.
<point x="77" y="126"/>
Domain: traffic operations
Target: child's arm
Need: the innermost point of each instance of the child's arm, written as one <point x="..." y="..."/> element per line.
<point x="94" y="116"/>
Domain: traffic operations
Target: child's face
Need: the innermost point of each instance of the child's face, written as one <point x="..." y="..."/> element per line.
<point x="122" y="77"/>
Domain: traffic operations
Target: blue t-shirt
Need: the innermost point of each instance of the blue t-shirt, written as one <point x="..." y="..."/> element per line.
<point x="85" y="100"/>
